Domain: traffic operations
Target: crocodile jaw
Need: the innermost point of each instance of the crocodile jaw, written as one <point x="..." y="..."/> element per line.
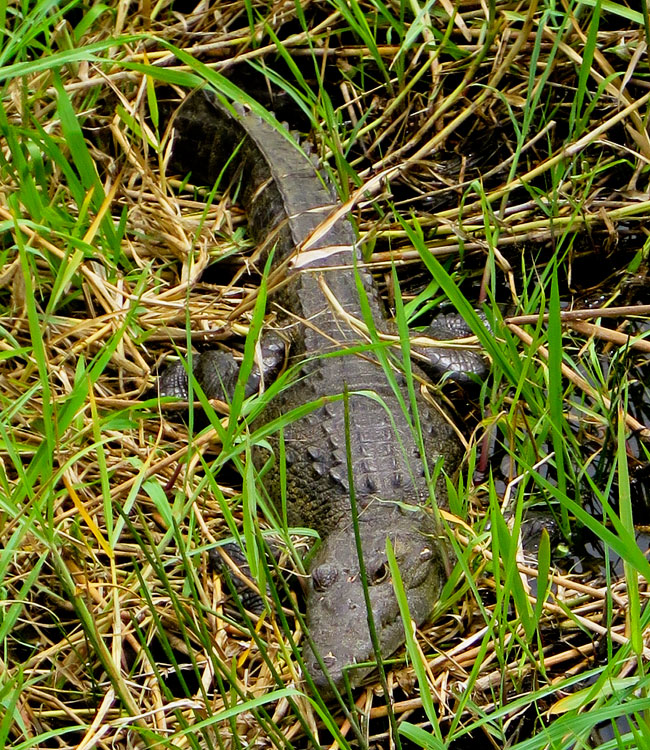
<point x="337" y="617"/>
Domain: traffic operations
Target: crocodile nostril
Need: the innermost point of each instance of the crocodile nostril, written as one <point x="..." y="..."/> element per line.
<point x="324" y="576"/>
<point x="379" y="574"/>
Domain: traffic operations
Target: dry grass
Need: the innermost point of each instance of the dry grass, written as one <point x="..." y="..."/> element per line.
<point x="509" y="143"/>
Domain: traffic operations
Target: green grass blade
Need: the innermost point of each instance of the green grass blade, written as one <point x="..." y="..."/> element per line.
<point x="633" y="615"/>
<point x="411" y="644"/>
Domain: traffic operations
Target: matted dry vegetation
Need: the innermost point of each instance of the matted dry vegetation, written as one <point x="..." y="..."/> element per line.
<point x="509" y="143"/>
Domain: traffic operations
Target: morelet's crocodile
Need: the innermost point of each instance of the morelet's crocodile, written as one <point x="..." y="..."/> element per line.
<point x="286" y="201"/>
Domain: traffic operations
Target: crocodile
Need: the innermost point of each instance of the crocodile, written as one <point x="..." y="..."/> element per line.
<point x="294" y="211"/>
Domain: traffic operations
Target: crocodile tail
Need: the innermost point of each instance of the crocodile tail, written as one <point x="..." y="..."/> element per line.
<point x="283" y="192"/>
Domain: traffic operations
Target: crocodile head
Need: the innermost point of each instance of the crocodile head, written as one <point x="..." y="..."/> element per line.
<point x="336" y="608"/>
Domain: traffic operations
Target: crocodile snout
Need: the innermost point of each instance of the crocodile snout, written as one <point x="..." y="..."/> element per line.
<point x="337" y="615"/>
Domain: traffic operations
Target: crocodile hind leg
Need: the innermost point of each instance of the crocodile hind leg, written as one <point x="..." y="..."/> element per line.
<point x="217" y="371"/>
<point x="461" y="365"/>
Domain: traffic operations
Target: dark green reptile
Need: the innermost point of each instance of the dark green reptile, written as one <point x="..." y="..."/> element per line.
<point x="286" y="201"/>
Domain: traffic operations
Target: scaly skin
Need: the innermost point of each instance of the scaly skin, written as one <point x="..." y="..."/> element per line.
<point x="286" y="200"/>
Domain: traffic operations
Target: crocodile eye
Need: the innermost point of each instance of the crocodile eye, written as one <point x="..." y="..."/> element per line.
<point x="324" y="576"/>
<point x="378" y="574"/>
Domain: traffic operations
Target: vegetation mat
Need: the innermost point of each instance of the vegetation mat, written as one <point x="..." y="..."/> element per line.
<point x="492" y="155"/>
